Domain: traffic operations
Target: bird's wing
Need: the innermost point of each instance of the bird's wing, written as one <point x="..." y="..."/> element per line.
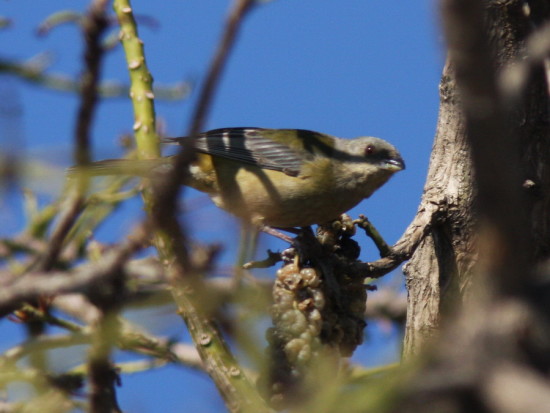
<point x="265" y="148"/>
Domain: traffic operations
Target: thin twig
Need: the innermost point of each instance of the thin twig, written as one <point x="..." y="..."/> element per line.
<point x="69" y="215"/>
<point x="43" y="343"/>
<point x="373" y="233"/>
<point x="102" y="374"/>
<point x="93" y="27"/>
<point x="107" y="89"/>
<point x="234" y="23"/>
<point x="272" y="259"/>
<point x="168" y="195"/>
<point x="31" y="286"/>
<point x="418" y="229"/>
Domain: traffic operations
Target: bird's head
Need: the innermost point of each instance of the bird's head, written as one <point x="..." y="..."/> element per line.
<point x="367" y="162"/>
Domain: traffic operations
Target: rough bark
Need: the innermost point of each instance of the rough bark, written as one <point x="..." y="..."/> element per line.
<point x="442" y="262"/>
<point x="490" y="233"/>
<point x="440" y="272"/>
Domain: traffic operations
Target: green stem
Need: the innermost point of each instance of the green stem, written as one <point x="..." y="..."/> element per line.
<point x="237" y="390"/>
<point x="141" y="89"/>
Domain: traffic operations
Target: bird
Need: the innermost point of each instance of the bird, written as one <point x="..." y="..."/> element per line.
<point x="277" y="178"/>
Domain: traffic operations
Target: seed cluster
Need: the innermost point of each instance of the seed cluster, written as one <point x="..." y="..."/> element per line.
<point x="295" y="338"/>
<point x="316" y="314"/>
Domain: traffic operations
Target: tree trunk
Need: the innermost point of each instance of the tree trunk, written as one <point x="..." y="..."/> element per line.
<point x="488" y="196"/>
<point x="441" y="269"/>
<point x="442" y="262"/>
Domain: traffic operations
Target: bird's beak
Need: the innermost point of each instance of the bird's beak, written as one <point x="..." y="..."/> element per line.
<point x="394" y="165"/>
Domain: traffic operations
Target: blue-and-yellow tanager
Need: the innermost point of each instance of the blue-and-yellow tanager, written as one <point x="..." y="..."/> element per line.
<point x="278" y="177"/>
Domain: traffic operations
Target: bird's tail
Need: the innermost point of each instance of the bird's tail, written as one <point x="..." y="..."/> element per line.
<point x="132" y="167"/>
<point x="172" y="141"/>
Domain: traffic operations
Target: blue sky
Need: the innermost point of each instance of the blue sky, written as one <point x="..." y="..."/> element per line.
<point x="348" y="68"/>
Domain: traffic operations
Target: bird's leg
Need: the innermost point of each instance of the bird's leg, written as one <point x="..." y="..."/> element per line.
<point x="274" y="257"/>
<point x="292" y="230"/>
<point x="276" y="233"/>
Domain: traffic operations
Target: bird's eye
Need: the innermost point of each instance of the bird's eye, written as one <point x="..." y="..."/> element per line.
<point x="370" y="149"/>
